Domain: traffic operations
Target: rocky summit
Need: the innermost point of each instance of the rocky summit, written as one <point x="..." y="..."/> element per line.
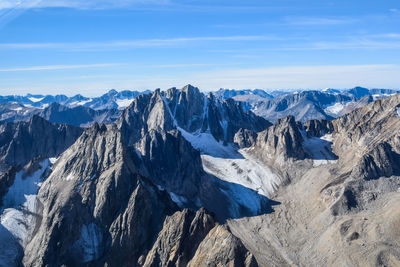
<point x="184" y="178"/>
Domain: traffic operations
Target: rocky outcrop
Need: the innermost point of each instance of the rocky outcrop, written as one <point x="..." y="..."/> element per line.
<point x="281" y="142"/>
<point x="147" y="112"/>
<point x="195" y="239"/>
<point x="221" y="248"/>
<point x="381" y="161"/>
<point x="245" y="138"/>
<point x="318" y="128"/>
<point x="179" y="238"/>
<point x="6" y="180"/>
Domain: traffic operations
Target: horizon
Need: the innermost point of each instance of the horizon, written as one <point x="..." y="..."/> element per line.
<point x="291" y="90"/>
<point x="89" y="47"/>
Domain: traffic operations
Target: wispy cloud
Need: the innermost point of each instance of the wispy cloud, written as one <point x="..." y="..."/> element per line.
<point x="134" y="43"/>
<point x="79" y="4"/>
<point x="59" y="67"/>
<point x="338" y="76"/>
<point x="317" y="21"/>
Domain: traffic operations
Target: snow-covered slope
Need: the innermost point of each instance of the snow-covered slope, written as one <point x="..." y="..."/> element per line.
<point x="232" y="165"/>
<point x="18" y="213"/>
<point x="319" y="149"/>
<point x="19" y="204"/>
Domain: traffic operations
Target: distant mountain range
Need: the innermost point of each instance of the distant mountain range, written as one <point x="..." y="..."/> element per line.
<point x="304" y="105"/>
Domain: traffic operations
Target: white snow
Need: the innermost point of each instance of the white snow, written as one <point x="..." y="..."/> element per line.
<point x="89" y="245"/>
<point x="245" y="171"/>
<point x="20" y="202"/>
<point x="379" y="96"/>
<point x="335" y="109"/>
<point x="16" y="109"/>
<point x="320" y="149"/>
<point x="53" y="160"/>
<point x="35" y="99"/>
<point x="398" y="111"/>
<point x="231" y="165"/>
<point x="79" y="103"/>
<point x="207" y="144"/>
<point x="123" y="103"/>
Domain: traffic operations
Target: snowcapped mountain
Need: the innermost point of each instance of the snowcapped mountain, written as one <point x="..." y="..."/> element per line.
<point x="110" y="100"/>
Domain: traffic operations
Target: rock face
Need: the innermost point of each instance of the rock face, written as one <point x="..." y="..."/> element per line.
<point x="20" y="142"/>
<point x="245" y="138"/>
<point x="98" y="209"/>
<point x="194" y="111"/>
<point x="281" y="142"/>
<point x="180" y="238"/>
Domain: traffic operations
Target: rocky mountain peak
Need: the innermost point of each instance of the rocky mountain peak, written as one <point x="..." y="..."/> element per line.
<point x="281" y="142"/>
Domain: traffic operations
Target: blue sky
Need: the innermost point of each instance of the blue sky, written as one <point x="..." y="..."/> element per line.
<point x="89" y="47"/>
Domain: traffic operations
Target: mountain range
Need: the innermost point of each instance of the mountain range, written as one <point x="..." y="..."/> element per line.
<point x="185" y="178"/>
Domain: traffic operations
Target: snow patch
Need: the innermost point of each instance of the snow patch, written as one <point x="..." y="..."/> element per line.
<point x="53" y="160"/>
<point x="248" y="180"/>
<point x="123" y="103"/>
<point x="245" y="171"/>
<point x="398" y="112"/>
<point x="35" y="99"/>
<point x="207" y="144"/>
<point x="79" y="103"/>
<point x="335" y="109"/>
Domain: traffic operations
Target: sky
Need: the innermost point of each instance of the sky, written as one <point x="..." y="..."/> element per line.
<point x="90" y="47"/>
